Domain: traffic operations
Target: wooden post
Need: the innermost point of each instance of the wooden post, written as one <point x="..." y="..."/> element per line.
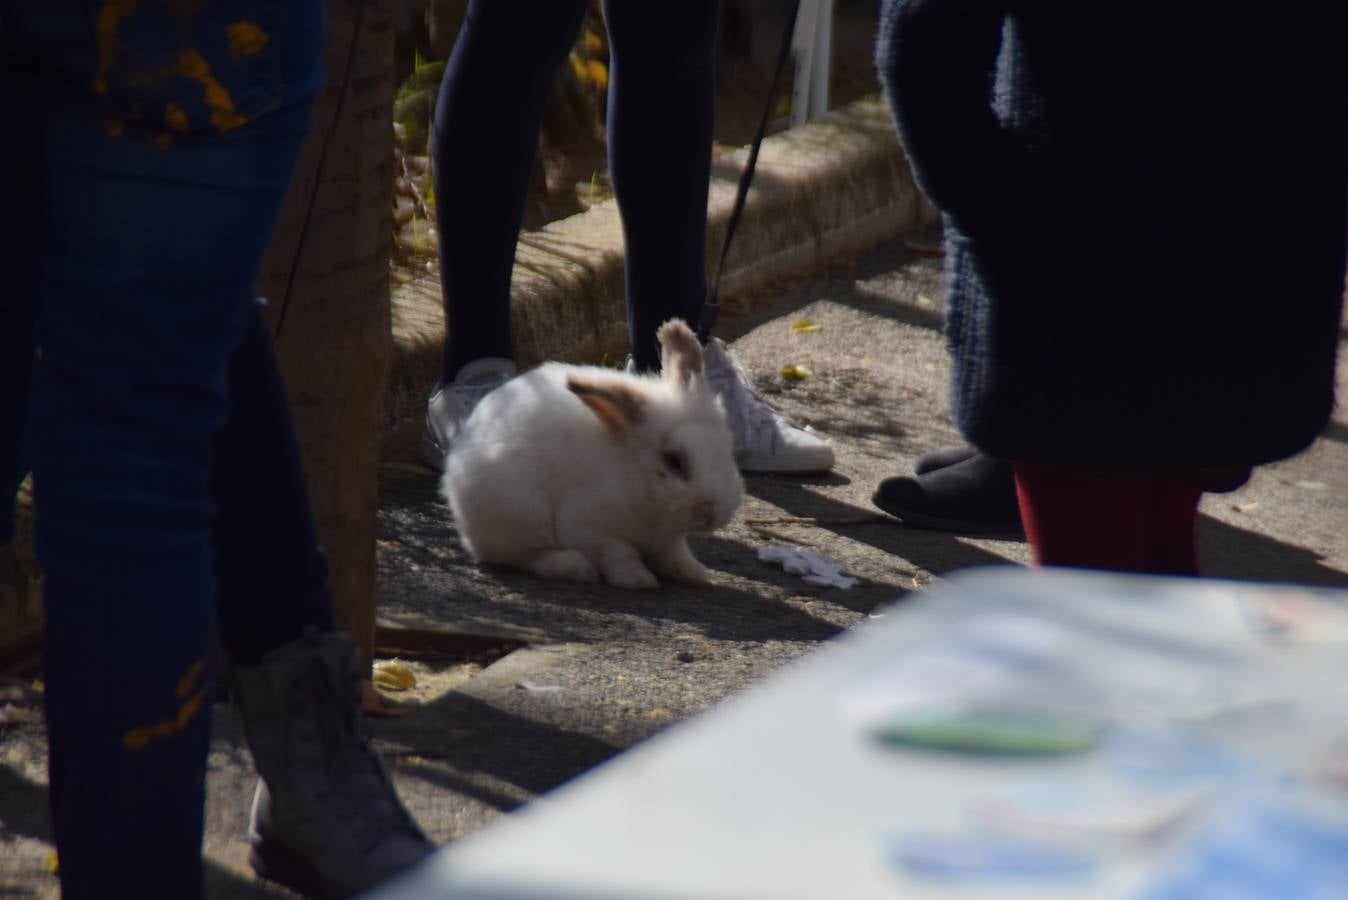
<point x="326" y="277"/>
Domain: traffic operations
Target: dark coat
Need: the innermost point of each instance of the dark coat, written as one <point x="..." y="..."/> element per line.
<point x="1145" y="219"/>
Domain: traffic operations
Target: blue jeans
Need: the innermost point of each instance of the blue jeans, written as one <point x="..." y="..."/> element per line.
<point x="146" y="151"/>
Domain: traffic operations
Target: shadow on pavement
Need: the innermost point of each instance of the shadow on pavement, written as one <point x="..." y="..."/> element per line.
<point x="1226" y="551"/>
<point x="935" y="551"/>
<point x="1336" y="431"/>
<point x="23" y="808"/>
<point x="458" y="736"/>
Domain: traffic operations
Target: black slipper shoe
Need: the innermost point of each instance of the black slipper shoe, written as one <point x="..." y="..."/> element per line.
<point x="975" y="496"/>
<point x="940" y="459"/>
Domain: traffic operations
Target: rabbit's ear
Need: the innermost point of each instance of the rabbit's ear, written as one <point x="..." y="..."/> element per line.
<point x="619" y="406"/>
<point x="680" y="353"/>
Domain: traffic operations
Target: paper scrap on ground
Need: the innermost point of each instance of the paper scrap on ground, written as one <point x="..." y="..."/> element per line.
<point x="814" y="568"/>
<point x="538" y="687"/>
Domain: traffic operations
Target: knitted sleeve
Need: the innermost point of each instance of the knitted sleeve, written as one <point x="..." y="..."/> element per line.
<point x="937" y="60"/>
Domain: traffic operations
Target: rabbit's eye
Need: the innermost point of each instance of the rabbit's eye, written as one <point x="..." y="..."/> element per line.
<point x="676" y="462"/>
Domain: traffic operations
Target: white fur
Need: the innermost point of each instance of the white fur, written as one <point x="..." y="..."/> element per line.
<point x="542" y="481"/>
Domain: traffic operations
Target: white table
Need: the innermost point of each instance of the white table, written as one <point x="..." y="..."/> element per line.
<point x="781" y="792"/>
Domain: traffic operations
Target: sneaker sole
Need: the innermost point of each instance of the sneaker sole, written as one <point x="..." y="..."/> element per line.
<point x="940" y="523"/>
<point x="432" y="455"/>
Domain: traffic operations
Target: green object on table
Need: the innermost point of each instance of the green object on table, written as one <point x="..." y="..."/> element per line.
<point x="991" y="730"/>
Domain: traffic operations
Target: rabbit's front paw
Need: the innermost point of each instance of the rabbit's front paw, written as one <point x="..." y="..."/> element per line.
<point x="689" y="572"/>
<point x="637" y="576"/>
<point x="679" y="564"/>
<point x="622" y="566"/>
<point x="563" y="565"/>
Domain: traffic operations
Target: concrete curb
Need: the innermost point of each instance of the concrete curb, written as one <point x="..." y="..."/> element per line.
<point x="837" y="185"/>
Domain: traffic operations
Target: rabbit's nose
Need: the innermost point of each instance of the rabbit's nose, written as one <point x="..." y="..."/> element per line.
<point x="704" y="514"/>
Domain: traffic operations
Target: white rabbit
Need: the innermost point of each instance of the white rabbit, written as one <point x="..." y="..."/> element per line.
<point x="580" y="473"/>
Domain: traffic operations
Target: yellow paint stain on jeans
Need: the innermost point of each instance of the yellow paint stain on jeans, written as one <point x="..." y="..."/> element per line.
<point x="174" y="117"/>
<point x="140" y="737"/>
<point x="185" y="683"/>
<point x="193" y="66"/>
<point x="245" y="39"/>
<point x="110" y="18"/>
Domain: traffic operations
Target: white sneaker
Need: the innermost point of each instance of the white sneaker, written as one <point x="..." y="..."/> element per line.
<point x="765" y="440"/>
<point x="449" y="408"/>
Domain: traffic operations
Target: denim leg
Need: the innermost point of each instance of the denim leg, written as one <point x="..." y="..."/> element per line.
<point x="271" y="575"/>
<point x="18" y="293"/>
<point x="146" y="250"/>
<point x="142" y="295"/>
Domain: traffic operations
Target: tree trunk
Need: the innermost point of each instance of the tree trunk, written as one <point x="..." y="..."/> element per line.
<point x="326" y="277"/>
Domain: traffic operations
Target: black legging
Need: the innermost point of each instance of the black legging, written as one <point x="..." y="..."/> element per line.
<point x="492" y="99"/>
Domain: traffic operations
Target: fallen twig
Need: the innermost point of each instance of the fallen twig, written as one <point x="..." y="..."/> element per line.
<point x="862" y="519"/>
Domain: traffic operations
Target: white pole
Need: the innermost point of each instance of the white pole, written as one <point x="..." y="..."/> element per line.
<point x="820" y="63"/>
<point x="811" y="47"/>
<point x="802" y="50"/>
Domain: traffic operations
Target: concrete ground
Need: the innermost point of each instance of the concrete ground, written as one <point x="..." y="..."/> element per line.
<point x="605" y="668"/>
<point x="582" y="673"/>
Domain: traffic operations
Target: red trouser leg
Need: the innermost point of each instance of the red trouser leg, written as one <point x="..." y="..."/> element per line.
<point x="1105" y="520"/>
<point x="1081" y="518"/>
<point x="1172" y="513"/>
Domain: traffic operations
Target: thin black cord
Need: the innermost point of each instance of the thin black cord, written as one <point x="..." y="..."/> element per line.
<point x="706" y="320"/>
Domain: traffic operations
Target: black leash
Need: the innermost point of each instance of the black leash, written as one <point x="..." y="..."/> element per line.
<point x="706" y="320"/>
